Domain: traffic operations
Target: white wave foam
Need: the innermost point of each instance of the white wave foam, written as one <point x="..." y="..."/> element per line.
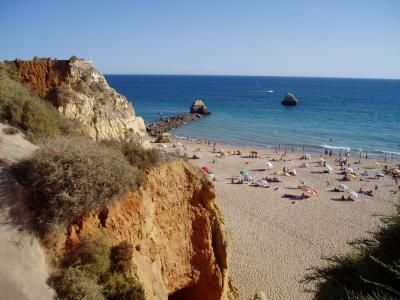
<point x="335" y="147"/>
<point x="388" y="152"/>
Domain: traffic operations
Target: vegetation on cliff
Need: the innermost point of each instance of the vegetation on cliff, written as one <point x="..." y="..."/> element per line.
<point x="70" y="176"/>
<point x="372" y="271"/>
<point x="95" y="270"/>
<point x="19" y="108"/>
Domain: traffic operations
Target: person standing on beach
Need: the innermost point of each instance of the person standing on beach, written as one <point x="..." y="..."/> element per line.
<point x="366" y="155"/>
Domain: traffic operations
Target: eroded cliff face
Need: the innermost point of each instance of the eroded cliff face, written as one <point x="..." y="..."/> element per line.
<point x="179" y="236"/>
<point x="81" y="92"/>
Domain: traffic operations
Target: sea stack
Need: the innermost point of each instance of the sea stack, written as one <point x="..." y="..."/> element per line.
<point x="198" y="107"/>
<point x="289" y="99"/>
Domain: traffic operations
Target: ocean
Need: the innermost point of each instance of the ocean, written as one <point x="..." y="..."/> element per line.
<point x="334" y="113"/>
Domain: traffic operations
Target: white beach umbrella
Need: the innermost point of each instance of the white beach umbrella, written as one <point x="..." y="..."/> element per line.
<point x="270" y="165"/>
<point x="343" y="187"/>
<point x="197" y="155"/>
<point x="328" y="168"/>
<point x="353" y="195"/>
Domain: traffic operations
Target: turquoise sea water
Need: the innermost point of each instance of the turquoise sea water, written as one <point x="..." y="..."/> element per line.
<point x="335" y="113"/>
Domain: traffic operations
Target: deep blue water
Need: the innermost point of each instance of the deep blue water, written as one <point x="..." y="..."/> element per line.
<point x="354" y="113"/>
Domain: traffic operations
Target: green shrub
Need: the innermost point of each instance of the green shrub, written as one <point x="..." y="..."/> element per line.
<point x="76" y="283"/>
<point x="121" y="256"/>
<point x="92" y="254"/>
<point x="87" y="272"/>
<point x="117" y="286"/>
<point x="70" y="176"/>
<point x="38" y="118"/>
<point x="371" y="271"/>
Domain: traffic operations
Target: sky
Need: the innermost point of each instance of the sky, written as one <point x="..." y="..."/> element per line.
<point x="336" y="38"/>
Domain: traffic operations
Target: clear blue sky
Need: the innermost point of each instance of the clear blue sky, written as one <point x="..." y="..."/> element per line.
<point x="339" y="38"/>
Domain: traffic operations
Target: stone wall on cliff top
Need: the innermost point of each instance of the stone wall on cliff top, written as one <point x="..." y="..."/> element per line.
<point x="181" y="250"/>
<point x="81" y="92"/>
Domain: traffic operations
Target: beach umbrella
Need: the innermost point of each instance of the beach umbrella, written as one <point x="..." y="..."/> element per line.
<point x="349" y="170"/>
<point x="270" y="165"/>
<point x="353" y="195"/>
<point x="328" y="168"/>
<point x="244" y="173"/>
<point x="197" y="155"/>
<point x="207" y="169"/>
<point x="343" y="187"/>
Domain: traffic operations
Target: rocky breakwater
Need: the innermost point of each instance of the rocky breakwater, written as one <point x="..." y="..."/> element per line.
<point x="180" y="245"/>
<point x="81" y="92"/>
<point x="198" y="110"/>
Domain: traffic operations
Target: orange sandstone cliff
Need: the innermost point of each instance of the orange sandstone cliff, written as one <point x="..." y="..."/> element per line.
<point x="81" y="92"/>
<point x="178" y="233"/>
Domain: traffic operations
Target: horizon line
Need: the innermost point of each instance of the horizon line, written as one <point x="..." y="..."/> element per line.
<point x="246" y="75"/>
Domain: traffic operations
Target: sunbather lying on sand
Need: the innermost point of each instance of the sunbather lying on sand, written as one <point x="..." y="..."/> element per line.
<point x="346" y="199"/>
<point x="274" y="179"/>
<point x="296" y="197"/>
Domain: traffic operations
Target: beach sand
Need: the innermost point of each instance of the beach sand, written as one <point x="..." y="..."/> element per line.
<point x="275" y="241"/>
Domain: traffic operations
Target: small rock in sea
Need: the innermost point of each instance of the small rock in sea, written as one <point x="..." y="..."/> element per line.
<point x="198" y="107"/>
<point x="289" y="99"/>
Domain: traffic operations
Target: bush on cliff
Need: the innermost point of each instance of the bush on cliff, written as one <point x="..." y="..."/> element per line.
<point x="372" y="271"/>
<point x="70" y="176"/>
<point x="89" y="272"/>
<point x="144" y="159"/>
<point x="19" y="108"/>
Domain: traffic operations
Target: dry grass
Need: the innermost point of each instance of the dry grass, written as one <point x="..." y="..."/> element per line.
<point x="143" y="159"/>
<point x="71" y="176"/>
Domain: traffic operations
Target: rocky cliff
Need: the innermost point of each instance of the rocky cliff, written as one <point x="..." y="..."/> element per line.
<point x="80" y="92"/>
<point x="181" y="250"/>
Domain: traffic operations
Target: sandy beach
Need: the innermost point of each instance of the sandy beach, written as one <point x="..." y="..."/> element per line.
<point x="276" y="240"/>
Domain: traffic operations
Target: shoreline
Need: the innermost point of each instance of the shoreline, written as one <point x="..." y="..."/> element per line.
<point x="378" y="155"/>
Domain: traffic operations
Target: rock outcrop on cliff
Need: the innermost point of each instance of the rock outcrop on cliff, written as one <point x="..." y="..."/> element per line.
<point x="181" y="250"/>
<point x="81" y="92"/>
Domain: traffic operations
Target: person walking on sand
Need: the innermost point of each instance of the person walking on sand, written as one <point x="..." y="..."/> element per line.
<point x="366" y="155"/>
